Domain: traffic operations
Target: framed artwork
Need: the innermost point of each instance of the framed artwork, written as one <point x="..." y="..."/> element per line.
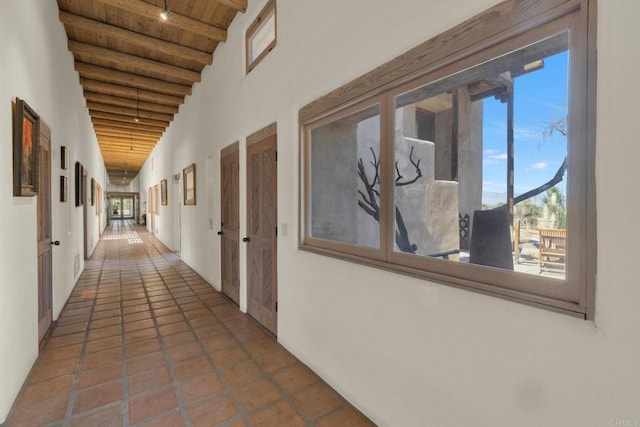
<point x="98" y="199"/>
<point x="93" y="192"/>
<point x="163" y="192"/>
<point x="26" y="130"/>
<point x="78" y="183"/>
<point x="64" y="189"/>
<point x="189" y="183"/>
<point x="64" y="158"/>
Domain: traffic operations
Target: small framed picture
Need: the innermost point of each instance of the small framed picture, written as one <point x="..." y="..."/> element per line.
<point x="163" y="192"/>
<point x="189" y="178"/>
<point x="64" y="189"/>
<point x="64" y="158"/>
<point x="93" y="192"/>
<point x="78" y="175"/>
<point x="26" y="133"/>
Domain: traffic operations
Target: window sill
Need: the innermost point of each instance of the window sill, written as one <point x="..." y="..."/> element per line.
<point x="557" y="306"/>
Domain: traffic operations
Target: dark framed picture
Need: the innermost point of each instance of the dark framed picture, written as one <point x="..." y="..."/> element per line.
<point x="26" y="130"/>
<point x="189" y="183"/>
<point x="93" y="192"/>
<point x="64" y="158"/>
<point x="78" y="172"/>
<point x="64" y="189"/>
<point x="163" y="192"/>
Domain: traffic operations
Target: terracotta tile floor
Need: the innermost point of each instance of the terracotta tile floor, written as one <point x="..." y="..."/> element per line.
<point x="144" y="340"/>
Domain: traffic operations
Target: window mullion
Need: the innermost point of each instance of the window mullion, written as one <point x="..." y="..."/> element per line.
<point x="387" y="170"/>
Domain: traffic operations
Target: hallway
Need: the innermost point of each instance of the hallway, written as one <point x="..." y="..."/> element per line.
<point x="144" y="340"/>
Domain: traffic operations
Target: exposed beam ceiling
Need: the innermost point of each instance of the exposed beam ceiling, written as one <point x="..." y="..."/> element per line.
<point x="132" y="64"/>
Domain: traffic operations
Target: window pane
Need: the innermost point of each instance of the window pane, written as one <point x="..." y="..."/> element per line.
<point x="263" y="36"/>
<point x="127" y="207"/>
<point x="457" y="195"/>
<point x="345" y="183"/>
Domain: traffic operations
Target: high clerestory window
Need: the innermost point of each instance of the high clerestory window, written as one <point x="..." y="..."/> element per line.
<point x="261" y="36"/>
<point x="471" y="164"/>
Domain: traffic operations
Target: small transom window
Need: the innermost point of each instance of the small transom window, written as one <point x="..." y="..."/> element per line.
<point x="261" y="35"/>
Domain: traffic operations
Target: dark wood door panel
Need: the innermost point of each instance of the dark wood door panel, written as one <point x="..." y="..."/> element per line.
<point x="261" y="226"/>
<point x="230" y="227"/>
<point x="45" y="237"/>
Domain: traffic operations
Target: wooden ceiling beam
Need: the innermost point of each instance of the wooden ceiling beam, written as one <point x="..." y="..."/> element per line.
<point x="129" y="103"/>
<point x="114" y="157"/>
<point x="118" y="175"/>
<point x="131" y="140"/>
<point x="128" y="132"/>
<point x="146" y="66"/>
<point x="126" y="119"/>
<point x="95" y="106"/>
<point x="127" y="141"/>
<point x="119" y="158"/>
<point x="127" y="92"/>
<point x="110" y="76"/>
<point x="239" y="5"/>
<point x="101" y="29"/>
<point x="124" y="152"/>
<point x="124" y="145"/>
<point x="175" y="20"/>
<point x="127" y="125"/>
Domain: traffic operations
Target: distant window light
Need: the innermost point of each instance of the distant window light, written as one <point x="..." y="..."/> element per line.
<point x="261" y="36"/>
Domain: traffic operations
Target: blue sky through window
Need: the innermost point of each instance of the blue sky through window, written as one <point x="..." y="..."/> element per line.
<point x="540" y="98"/>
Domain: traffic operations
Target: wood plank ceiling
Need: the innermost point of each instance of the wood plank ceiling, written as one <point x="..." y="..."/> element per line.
<point x="136" y="68"/>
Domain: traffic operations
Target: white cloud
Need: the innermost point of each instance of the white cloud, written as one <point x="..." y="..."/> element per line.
<point x="492" y="158"/>
<point x="540" y="165"/>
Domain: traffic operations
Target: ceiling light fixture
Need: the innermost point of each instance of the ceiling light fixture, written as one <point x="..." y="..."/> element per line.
<point x="165" y="12"/>
<point x="137" y="118"/>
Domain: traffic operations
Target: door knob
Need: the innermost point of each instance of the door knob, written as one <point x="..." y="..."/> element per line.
<point x="220" y="233"/>
<point x="56" y="243"/>
<point x="245" y="239"/>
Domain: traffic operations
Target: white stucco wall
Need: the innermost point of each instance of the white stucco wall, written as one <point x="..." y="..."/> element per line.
<point x="408" y="352"/>
<point x="36" y="66"/>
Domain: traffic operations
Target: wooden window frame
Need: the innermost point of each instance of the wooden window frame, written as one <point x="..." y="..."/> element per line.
<point x="256" y="25"/>
<point x="503" y="28"/>
<point x="333" y="245"/>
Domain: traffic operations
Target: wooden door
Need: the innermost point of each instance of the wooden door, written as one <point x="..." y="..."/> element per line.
<point x="152" y="209"/>
<point x="83" y="185"/>
<point x="177" y="202"/>
<point x="261" y="228"/>
<point x="45" y="264"/>
<point x="230" y="222"/>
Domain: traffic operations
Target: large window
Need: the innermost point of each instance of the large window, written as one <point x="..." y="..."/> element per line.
<point x="478" y="172"/>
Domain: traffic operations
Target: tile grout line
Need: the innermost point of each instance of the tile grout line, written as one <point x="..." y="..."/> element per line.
<point x="124" y="413"/>
<point x="229" y="390"/>
<point x="285" y="396"/>
<point x="169" y="365"/>
<point x="74" y="388"/>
